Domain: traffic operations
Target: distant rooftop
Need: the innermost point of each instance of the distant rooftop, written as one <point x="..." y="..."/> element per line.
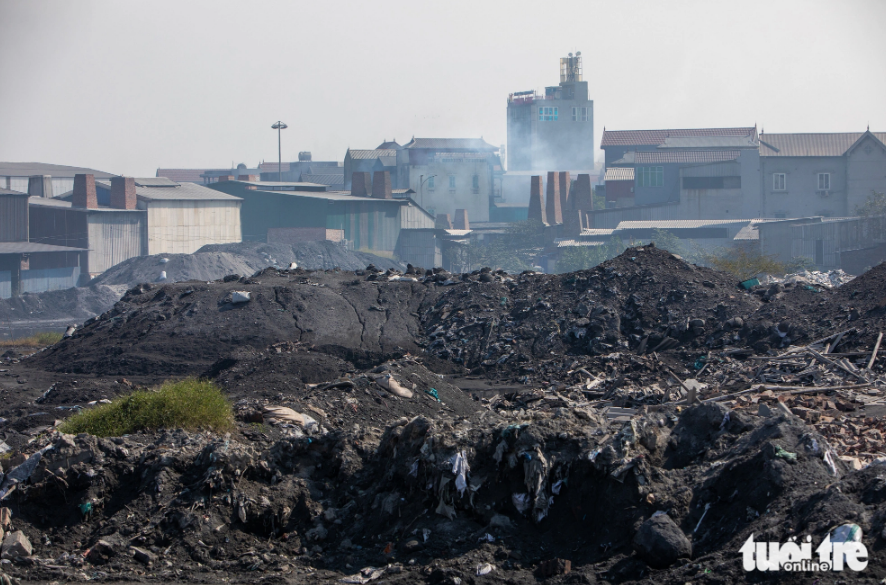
<point x="657" y="137"/>
<point x="34" y="247"/>
<point x="28" y="169"/>
<point x="179" y="192"/>
<point x="710" y="142"/>
<point x="833" y="144"/>
<point x="371" y="154"/>
<point x="183" y="175"/>
<point x="5" y="191"/>
<point x="451" y="144"/>
<point x="619" y="174"/>
<point x="677" y="156"/>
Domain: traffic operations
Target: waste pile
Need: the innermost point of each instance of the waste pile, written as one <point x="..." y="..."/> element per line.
<point x="637" y="422"/>
<point x="828" y="279"/>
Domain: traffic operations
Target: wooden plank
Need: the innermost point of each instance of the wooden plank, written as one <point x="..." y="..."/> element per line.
<point x="876" y="349"/>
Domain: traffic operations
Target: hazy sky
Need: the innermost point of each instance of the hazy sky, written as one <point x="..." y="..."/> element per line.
<point x="127" y="86"/>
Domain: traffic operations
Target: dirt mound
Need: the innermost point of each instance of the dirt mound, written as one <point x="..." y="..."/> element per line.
<point x="184" y="328"/>
<point x="215" y="261"/>
<point x="73" y="304"/>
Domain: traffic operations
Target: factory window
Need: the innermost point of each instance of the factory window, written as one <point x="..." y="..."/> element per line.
<point x="547" y="114"/>
<point x="475" y="184"/>
<point x="650" y="176"/>
<point x="778" y="182"/>
<point x="824" y="181"/>
<point x="431" y="183"/>
<point x="579" y="114"/>
<point x="452" y="182"/>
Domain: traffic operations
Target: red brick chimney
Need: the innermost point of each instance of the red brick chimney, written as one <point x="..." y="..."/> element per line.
<point x="123" y="193"/>
<point x="84" y="192"/>
<point x="361" y="184"/>
<point x="565" y="200"/>
<point x="552" y="198"/>
<point x="250" y="178"/>
<point x="461" y="219"/>
<point x="582" y="198"/>
<point x="443" y="222"/>
<point x="381" y="185"/>
<point x="572" y="223"/>
<point x="537" y="200"/>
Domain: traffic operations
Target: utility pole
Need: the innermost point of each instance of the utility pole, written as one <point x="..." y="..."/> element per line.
<point x="279" y="126"/>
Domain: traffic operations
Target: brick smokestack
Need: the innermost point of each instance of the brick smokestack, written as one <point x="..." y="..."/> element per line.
<point x="361" y="184"/>
<point x="84" y="192"/>
<point x="565" y="200"/>
<point x="461" y="219"/>
<point x="572" y="223"/>
<point x="537" y="200"/>
<point x="123" y="193"/>
<point x="381" y="185"/>
<point x="443" y="222"/>
<point x="40" y="186"/>
<point x="552" y="198"/>
<point x="582" y="197"/>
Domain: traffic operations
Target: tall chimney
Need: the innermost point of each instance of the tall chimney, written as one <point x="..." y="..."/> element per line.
<point x="361" y="184"/>
<point x="40" y="186"/>
<point x="443" y="222"/>
<point x="552" y="198"/>
<point x="84" y="192"/>
<point x="123" y="193"/>
<point x="565" y="200"/>
<point x="537" y="200"/>
<point x="461" y="219"/>
<point x="572" y="223"/>
<point x="582" y="198"/>
<point x="381" y="185"/>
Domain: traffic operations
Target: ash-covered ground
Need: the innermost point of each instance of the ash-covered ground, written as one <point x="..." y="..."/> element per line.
<point x="634" y="423"/>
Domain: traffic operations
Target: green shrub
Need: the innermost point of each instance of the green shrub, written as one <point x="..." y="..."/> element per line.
<point x="188" y="404"/>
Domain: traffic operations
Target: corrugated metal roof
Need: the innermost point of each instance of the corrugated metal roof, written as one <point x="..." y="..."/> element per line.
<point x="5" y="191"/>
<point x="677" y="223"/>
<point x="576" y="243"/>
<point x="834" y="144"/>
<point x="678" y="157"/>
<point x="316" y="169"/>
<point x="183" y="175"/>
<point x="63" y="202"/>
<point x="459" y="233"/>
<point x="748" y="232"/>
<point x="336" y="196"/>
<point x="371" y="154"/>
<point x="184" y="192"/>
<point x="619" y="174"/>
<point x="156" y="182"/>
<point x="656" y="137"/>
<point x="596" y="232"/>
<point x="33" y="247"/>
<point x="451" y="143"/>
<point x="331" y="180"/>
<point x="27" y="169"/>
<point x="709" y="142"/>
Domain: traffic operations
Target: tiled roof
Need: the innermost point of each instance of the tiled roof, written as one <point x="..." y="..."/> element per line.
<point x="835" y="144"/>
<point x="371" y="154"/>
<point x="27" y="169"/>
<point x="451" y="143"/>
<point x="619" y="174"/>
<point x="156" y="182"/>
<point x="389" y="144"/>
<point x="462" y="155"/>
<point x="183" y="175"/>
<point x="709" y="142"/>
<point x="656" y="137"/>
<point x="678" y="157"/>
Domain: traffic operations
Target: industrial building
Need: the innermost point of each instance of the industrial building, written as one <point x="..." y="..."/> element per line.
<point x="371" y="221"/>
<point x="58" y="179"/>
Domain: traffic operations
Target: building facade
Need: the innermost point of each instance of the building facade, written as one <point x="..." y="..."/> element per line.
<point x="554" y="130"/>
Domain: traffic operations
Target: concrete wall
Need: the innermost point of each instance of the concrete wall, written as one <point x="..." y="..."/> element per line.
<point x="290" y="236"/>
<point x="183" y="227"/>
<point x="866" y="167"/>
<point x="801" y="197"/>
<point x="13" y="218"/>
<point x="535" y="145"/>
<point x="442" y="199"/>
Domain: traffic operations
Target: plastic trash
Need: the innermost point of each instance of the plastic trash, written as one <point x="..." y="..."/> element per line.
<point x="847" y="533"/>
<point x="164" y="260"/>
<point x="786" y="455"/>
<point x="162" y="275"/>
<point x="750" y="283"/>
<point x="293" y="265"/>
<point x="484" y="569"/>
<point x="240" y="296"/>
<point x="521" y="502"/>
<point x="460" y="468"/>
<point x="69" y="332"/>
<point x="433" y="392"/>
<point x="393" y="386"/>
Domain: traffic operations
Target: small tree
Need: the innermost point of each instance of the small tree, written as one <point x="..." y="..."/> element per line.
<point x="745" y="262"/>
<point x="666" y="240"/>
<point x="874" y="206"/>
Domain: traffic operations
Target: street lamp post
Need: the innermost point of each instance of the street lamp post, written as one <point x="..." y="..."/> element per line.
<point x="421" y="190"/>
<point x="279" y="126"/>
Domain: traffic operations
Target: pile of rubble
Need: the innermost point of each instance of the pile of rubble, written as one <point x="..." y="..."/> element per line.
<point x="829" y="279"/>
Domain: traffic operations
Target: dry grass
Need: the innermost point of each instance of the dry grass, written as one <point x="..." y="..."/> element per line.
<point x="189" y="404"/>
<point x="37" y="340"/>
